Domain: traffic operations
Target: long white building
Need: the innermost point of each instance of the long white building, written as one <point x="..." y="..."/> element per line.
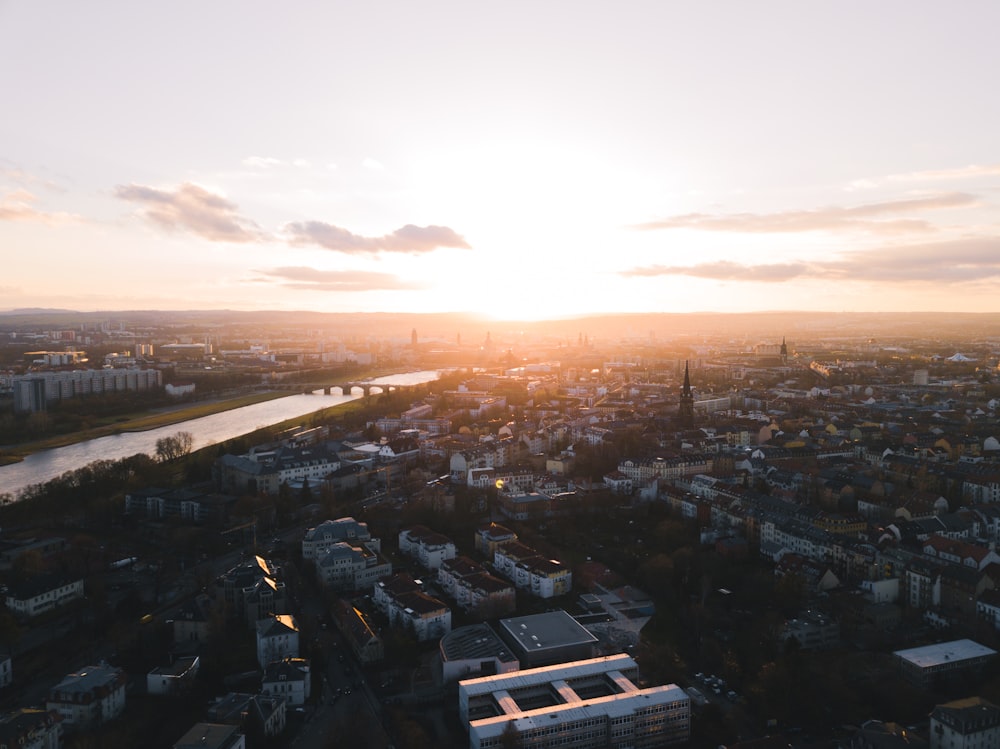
<point x="584" y="704"/>
<point x="33" y="391"/>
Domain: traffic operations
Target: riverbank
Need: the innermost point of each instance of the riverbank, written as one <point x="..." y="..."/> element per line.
<point x="139" y="422"/>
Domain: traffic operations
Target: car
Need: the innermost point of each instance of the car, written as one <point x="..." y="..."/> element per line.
<point x="732" y="695"/>
<point x="700" y="676"/>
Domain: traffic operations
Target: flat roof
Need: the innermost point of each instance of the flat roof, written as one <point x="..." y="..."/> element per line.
<point x="475" y="641"/>
<point x="547" y="674"/>
<point x="944" y="652"/>
<point x="611" y="706"/>
<point x="552" y="629"/>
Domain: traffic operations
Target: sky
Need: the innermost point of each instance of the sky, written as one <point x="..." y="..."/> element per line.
<point x="523" y="160"/>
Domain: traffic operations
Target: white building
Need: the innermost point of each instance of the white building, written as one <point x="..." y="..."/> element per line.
<point x="346" y="567"/>
<point x="429" y="548"/>
<point x="407" y="606"/>
<point x="972" y="723"/>
<point x="277" y="638"/>
<point x="89" y="698"/>
<point x="288" y="679"/>
<point x="319" y="540"/>
<point x="36" y="596"/>
<point x="33" y="391"/>
<point x="531" y="572"/>
<point x="266" y="469"/>
<point x="593" y="703"/>
<point x="956" y="658"/>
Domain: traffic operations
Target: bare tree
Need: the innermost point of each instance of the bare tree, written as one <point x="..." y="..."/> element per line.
<point x="173" y="447"/>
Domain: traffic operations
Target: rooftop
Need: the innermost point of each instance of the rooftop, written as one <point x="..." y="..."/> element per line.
<point x="944" y="652"/>
<point x="552" y="629"/>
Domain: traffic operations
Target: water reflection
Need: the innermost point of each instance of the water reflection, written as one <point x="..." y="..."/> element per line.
<point x="48" y="464"/>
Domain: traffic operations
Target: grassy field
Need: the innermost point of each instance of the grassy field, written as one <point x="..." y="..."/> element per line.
<point x="138" y="422"/>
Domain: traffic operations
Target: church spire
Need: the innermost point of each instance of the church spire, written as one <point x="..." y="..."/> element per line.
<point x="685" y="411"/>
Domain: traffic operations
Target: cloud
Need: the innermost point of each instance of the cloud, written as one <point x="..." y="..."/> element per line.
<point x="956" y="261"/>
<point x="312" y="279"/>
<point x="19" y="205"/>
<point x="972" y="171"/>
<point x="408" y="239"/>
<point x="269" y="162"/>
<point x="725" y="270"/>
<point x="14" y="173"/>
<point x="193" y="209"/>
<point x="370" y="163"/>
<point x="866" y="217"/>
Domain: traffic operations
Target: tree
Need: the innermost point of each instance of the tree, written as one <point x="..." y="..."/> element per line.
<point x="511" y="737"/>
<point x="174" y="447"/>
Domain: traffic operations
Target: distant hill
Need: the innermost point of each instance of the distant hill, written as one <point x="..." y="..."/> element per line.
<point x="686" y="328"/>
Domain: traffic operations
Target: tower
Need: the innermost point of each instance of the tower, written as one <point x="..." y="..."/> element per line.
<point x="784" y="351"/>
<point x="685" y="412"/>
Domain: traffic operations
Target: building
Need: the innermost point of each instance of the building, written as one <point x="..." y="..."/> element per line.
<point x="364" y="641"/>
<point x="627" y="610"/>
<point x="265" y="470"/>
<point x="193" y="622"/>
<point x="288" y="679"/>
<point x="30" y="728"/>
<point x="548" y="638"/>
<point x="319" y="540"/>
<point x="212" y="736"/>
<point x="593" y="703"/>
<point x="945" y="660"/>
<point x="41" y="594"/>
<point x="33" y="392"/>
<point x="174" y="679"/>
<point x="812" y="630"/>
<point x="347" y="567"/>
<point x="406" y="605"/>
<point x="531" y="572"/>
<point x="473" y="651"/>
<point x="476" y="590"/>
<point x="685" y="411"/>
<point x="427" y="547"/>
<point x="6" y="671"/>
<point x="253" y="590"/>
<point x="277" y="638"/>
<point x="972" y="723"/>
<point x="490" y="537"/>
<point x="29" y="394"/>
<point x="89" y="698"/>
<point x="251" y="713"/>
<point x="186" y="504"/>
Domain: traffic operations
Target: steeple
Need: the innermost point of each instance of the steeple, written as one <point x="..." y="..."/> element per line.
<point x="784" y="351"/>
<point x="685" y="411"/>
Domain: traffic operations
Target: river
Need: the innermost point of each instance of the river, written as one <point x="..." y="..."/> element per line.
<point x="206" y="430"/>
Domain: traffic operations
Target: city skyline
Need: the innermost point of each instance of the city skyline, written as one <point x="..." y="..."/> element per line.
<point x="519" y="161"/>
